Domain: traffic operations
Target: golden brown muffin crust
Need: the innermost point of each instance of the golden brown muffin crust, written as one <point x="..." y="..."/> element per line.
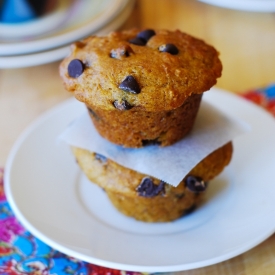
<point x="112" y="176"/>
<point x="122" y="185"/>
<point x="165" y="80"/>
<point x="134" y="128"/>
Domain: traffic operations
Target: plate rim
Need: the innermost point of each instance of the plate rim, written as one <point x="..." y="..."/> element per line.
<point x="55" y="54"/>
<point x="51" y="41"/>
<point x="244" y="5"/>
<point x="101" y="262"/>
<point x="37" y="26"/>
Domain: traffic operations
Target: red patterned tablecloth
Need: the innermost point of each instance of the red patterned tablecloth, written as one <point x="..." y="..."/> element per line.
<point x="22" y="253"/>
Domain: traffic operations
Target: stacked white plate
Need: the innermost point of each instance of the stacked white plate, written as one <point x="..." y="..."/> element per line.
<point x="245" y="5"/>
<point x="47" y="39"/>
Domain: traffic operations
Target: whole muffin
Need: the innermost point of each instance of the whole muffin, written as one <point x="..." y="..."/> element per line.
<point x="141" y="86"/>
<point x="146" y="198"/>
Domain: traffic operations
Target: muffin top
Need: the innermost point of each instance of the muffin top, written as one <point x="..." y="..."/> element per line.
<point x="152" y="70"/>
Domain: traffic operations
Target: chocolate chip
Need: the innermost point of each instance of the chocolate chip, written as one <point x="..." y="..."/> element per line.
<point x="123" y="105"/>
<point x="146" y="142"/>
<point x="146" y="34"/>
<point x="148" y="189"/>
<point x="75" y="68"/>
<point x="129" y="84"/>
<point x="137" y="41"/>
<point x="195" y="184"/>
<point x="118" y="54"/>
<point x="100" y="158"/>
<point x="123" y="51"/>
<point x="169" y="48"/>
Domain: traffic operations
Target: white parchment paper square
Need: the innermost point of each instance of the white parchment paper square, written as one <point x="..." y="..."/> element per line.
<point x="212" y="129"/>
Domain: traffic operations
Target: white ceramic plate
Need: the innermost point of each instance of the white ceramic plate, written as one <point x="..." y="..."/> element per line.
<point x="84" y="17"/>
<point x="245" y="5"/>
<point x="55" y="54"/>
<point x="32" y="28"/>
<point x="57" y="204"/>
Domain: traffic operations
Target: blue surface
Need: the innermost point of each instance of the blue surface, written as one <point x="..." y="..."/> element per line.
<point x="16" y="11"/>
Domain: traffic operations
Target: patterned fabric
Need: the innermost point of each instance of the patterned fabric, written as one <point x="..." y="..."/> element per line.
<point x="21" y="253"/>
<point x="264" y="97"/>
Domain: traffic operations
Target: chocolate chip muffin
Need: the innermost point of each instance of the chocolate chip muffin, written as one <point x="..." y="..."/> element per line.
<point x="146" y="198"/>
<point x="141" y="86"/>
